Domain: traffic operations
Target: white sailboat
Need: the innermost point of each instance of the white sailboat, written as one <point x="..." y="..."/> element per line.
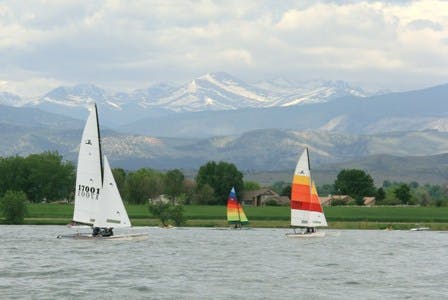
<point x="98" y="203"/>
<point x="306" y="210"/>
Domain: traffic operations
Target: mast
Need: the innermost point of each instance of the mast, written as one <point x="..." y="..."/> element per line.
<point x="311" y="183"/>
<point x="99" y="142"/>
<point x="238" y="205"/>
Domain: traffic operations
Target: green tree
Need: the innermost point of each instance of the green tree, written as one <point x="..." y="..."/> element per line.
<point x="189" y="190"/>
<point x="40" y="176"/>
<point x="177" y="214"/>
<point x="286" y="191"/>
<point x="174" y="183"/>
<point x="251" y="186"/>
<point x="278" y="186"/>
<point x="50" y="178"/>
<point x="325" y="189"/>
<point x="221" y="177"/>
<point x="204" y="195"/>
<point x="413" y="185"/>
<point x="12" y="204"/>
<point x="13" y="174"/>
<point x="271" y="202"/>
<point x="355" y="183"/>
<point x="142" y="185"/>
<point x="380" y="195"/>
<point x="166" y="212"/>
<point x="423" y="197"/>
<point x="403" y="193"/>
<point x="120" y="179"/>
<point x="160" y="210"/>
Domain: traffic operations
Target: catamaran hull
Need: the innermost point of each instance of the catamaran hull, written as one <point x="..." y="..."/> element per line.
<point x="306" y="235"/>
<point x="119" y="237"/>
<point x="420" y="229"/>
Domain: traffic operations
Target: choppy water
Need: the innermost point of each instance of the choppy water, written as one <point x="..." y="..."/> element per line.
<point x="202" y="263"/>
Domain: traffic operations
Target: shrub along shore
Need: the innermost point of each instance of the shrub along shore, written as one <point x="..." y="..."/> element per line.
<point x="339" y="217"/>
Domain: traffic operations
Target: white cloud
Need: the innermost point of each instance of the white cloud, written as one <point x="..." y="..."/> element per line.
<point x="130" y="43"/>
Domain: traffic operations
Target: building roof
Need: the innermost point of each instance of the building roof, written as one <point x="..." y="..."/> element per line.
<point x="369" y="200"/>
<point x="249" y="195"/>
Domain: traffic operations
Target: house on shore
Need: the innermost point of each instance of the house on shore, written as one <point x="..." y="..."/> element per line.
<point x="335" y="200"/>
<point x="369" y="201"/>
<point x="261" y="196"/>
<point x="344" y="200"/>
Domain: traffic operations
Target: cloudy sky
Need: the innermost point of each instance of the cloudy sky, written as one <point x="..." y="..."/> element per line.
<point x="124" y="45"/>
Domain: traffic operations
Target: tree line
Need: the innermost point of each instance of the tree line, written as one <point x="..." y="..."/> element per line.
<point x="46" y="177"/>
<point x="359" y="184"/>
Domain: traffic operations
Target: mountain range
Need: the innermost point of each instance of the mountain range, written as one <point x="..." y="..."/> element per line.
<point x="220" y="104"/>
<point x="210" y="92"/>
<point x="425" y="109"/>
<point x="167" y="127"/>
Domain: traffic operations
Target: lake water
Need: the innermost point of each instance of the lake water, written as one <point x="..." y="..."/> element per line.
<point x="206" y="263"/>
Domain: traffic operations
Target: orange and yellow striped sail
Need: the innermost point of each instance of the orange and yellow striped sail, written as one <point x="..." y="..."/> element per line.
<point x="235" y="213"/>
<point x="306" y="210"/>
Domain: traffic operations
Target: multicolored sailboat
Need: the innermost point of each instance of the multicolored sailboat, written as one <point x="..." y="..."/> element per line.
<point x="306" y="210"/>
<point x="235" y="213"/>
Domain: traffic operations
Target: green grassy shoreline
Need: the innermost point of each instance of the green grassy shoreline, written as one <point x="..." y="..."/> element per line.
<point x="352" y="217"/>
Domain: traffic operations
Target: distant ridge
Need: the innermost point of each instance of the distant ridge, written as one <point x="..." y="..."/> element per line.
<point x="269" y="149"/>
<point x="408" y="111"/>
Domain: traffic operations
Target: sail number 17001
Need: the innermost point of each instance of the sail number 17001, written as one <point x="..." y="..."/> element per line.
<point x="88" y="191"/>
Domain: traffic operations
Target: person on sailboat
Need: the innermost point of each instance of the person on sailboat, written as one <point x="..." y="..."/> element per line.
<point x="107" y="232"/>
<point x="96" y="231"/>
<point x="310" y="230"/>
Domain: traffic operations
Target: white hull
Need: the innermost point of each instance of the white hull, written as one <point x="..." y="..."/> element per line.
<point x="239" y="228"/>
<point x="306" y="235"/>
<point x="420" y="229"/>
<point x="79" y="226"/>
<point x="118" y="237"/>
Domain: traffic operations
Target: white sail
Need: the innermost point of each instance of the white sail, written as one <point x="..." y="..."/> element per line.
<point x="89" y="172"/>
<point x="112" y="212"/>
<point x="306" y="210"/>
<point x="303" y="167"/>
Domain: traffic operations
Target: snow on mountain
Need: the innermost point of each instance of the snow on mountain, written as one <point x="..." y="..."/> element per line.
<point x="212" y="91"/>
<point x="314" y="91"/>
<point x="145" y="97"/>
<point x="78" y="95"/>
<point x="215" y="91"/>
<point x="10" y="99"/>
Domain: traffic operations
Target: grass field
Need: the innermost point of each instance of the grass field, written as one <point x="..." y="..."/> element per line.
<point x="342" y="217"/>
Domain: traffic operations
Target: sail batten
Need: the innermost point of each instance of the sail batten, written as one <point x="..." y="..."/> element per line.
<point x="306" y="210"/>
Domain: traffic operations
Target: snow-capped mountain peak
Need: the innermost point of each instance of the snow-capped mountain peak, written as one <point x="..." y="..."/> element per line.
<point x="211" y="91"/>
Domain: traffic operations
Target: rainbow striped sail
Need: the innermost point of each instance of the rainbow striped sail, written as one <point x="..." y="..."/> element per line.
<point x="306" y="210"/>
<point x="235" y="213"/>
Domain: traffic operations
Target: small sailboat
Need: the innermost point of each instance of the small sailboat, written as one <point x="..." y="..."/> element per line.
<point x="235" y="212"/>
<point x="98" y="203"/>
<point x="306" y="210"/>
